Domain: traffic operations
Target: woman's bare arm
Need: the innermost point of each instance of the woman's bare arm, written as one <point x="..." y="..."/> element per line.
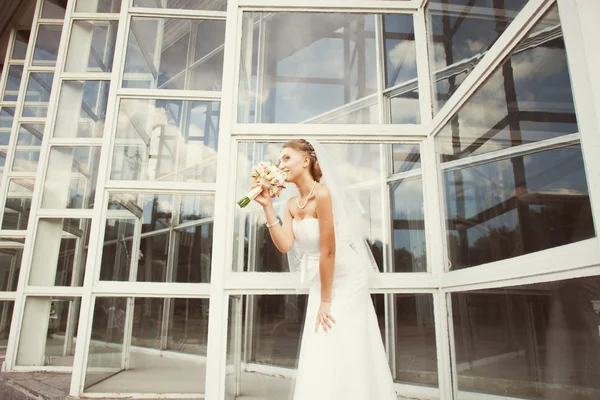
<point x="282" y="235"/>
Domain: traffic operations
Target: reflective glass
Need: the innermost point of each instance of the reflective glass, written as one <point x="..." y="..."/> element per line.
<point x="405" y="157"/>
<point x="71" y="177"/>
<point x="510" y="207"/>
<point x="157" y="224"/>
<point x="299" y="67"/>
<point x="6" y="311"/>
<point x="49" y="331"/>
<point x="26" y="160"/>
<point x="408" y="225"/>
<point x="359" y="164"/>
<point x="169" y="140"/>
<point x="30" y="135"/>
<point x="217" y="5"/>
<point x="527" y="99"/>
<point x="166" y="352"/>
<point x="91" y="97"/>
<point x="91" y="46"/>
<point x="2" y="161"/>
<point x="60" y="252"/>
<point x="99" y="6"/>
<point x="404" y="108"/>
<point x="46" y="45"/>
<point x="400" y="51"/>
<point x="10" y="267"/>
<point x="7" y="116"/>
<point x="18" y="204"/>
<point x="13" y="81"/>
<point x="37" y="95"/>
<point x="461" y="34"/>
<point x="20" y="45"/>
<point x="54" y="9"/>
<point x="174" y="54"/>
<point x="536" y="341"/>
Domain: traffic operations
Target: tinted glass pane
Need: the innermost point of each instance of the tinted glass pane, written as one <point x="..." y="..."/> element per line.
<point x="100" y="6"/>
<point x="20" y="45"/>
<point x="46" y="45"/>
<point x="313" y="65"/>
<point x="13" y="81"/>
<point x="91" y="46"/>
<point x="527" y="99"/>
<point x="462" y="31"/>
<point x="37" y="95"/>
<point x="7" y="115"/>
<point x="10" y="266"/>
<point x="401" y="55"/>
<point x="91" y="97"/>
<point x="511" y="207"/>
<point x="54" y="9"/>
<point x="536" y="341"/>
<point x="18" y="204"/>
<point x="174" y="54"/>
<point x="217" y="5"/>
<point x="406" y="157"/>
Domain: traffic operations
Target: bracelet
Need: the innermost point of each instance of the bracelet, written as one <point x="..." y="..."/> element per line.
<point x="273" y="224"/>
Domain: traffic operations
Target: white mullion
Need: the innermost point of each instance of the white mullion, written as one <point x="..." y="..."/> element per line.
<point x="423" y="66"/>
<point x="12" y="37"/>
<point x="567" y="258"/>
<point x="95" y="248"/>
<point x="19" y="306"/>
<point x="53" y="291"/>
<point x="383" y="111"/>
<point x="172" y="290"/>
<point x="581" y="30"/>
<point x="158" y="187"/>
<point x="413" y="173"/>
<point x="44" y="69"/>
<point x="177" y="13"/>
<point x="88" y="16"/>
<point x="435" y="210"/>
<point x="354" y="6"/>
<point x="531" y="13"/>
<point x="329" y="130"/>
<point x="149" y="396"/>
<point x="8" y="296"/>
<point x="65" y="213"/>
<point x="524" y="149"/>
<point x="75" y="141"/>
<point x="222" y="251"/>
<point x="85" y="76"/>
<point x="153" y="94"/>
<point x="443" y="345"/>
<point x="50" y="21"/>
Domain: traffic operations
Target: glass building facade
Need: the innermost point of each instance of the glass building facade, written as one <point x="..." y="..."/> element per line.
<point x="470" y="130"/>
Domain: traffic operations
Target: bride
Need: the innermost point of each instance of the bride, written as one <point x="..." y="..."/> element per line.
<point x="342" y="354"/>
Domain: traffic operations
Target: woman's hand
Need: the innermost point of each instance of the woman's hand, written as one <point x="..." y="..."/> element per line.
<point x="324" y="317"/>
<point x="264" y="198"/>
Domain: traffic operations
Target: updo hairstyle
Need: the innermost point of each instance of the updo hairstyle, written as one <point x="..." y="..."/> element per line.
<point x="308" y="149"/>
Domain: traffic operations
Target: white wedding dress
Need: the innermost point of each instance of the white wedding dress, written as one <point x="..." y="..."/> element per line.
<point x="348" y="362"/>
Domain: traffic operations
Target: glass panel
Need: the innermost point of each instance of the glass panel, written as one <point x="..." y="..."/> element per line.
<point x="526" y="100"/>
<point x="7" y="116"/>
<point x="218" y="5"/>
<point x="314" y="63"/>
<point x="147" y="228"/>
<point x="99" y="6"/>
<point x="60" y="252"/>
<point x="71" y="177"/>
<point x="26" y="161"/>
<point x="6" y="311"/>
<point x="2" y="161"/>
<point x="461" y="34"/>
<point x="18" y="204"/>
<point x="359" y="164"/>
<point x="167" y="140"/>
<point x="400" y="51"/>
<point x="13" y="81"/>
<point x="10" y="267"/>
<point x="532" y="341"/>
<point x="161" y="54"/>
<point x="46" y="45"/>
<point x="54" y="9"/>
<point x="406" y="157"/>
<point x="162" y="330"/>
<point x="91" y="97"/>
<point x="408" y="226"/>
<point x="49" y="331"/>
<point x="37" y="96"/>
<point x="20" y="45"/>
<point x="92" y="46"/>
<point x="30" y="135"/>
<point x="510" y="207"/>
<point x="404" y="108"/>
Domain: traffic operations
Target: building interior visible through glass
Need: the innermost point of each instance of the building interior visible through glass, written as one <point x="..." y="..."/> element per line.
<point x="482" y="223"/>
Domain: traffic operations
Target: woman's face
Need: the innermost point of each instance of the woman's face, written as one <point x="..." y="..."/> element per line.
<point x="292" y="162"/>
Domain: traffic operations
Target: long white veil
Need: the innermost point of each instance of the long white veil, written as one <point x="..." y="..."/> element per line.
<point x="347" y="212"/>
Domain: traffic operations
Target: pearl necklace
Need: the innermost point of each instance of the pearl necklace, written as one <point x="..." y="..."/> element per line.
<point x="307" y="197"/>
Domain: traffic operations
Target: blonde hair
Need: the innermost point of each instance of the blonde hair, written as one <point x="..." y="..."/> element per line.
<point x="308" y="149"/>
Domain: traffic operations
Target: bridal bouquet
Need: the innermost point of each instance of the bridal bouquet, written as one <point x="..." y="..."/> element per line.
<point x="269" y="174"/>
